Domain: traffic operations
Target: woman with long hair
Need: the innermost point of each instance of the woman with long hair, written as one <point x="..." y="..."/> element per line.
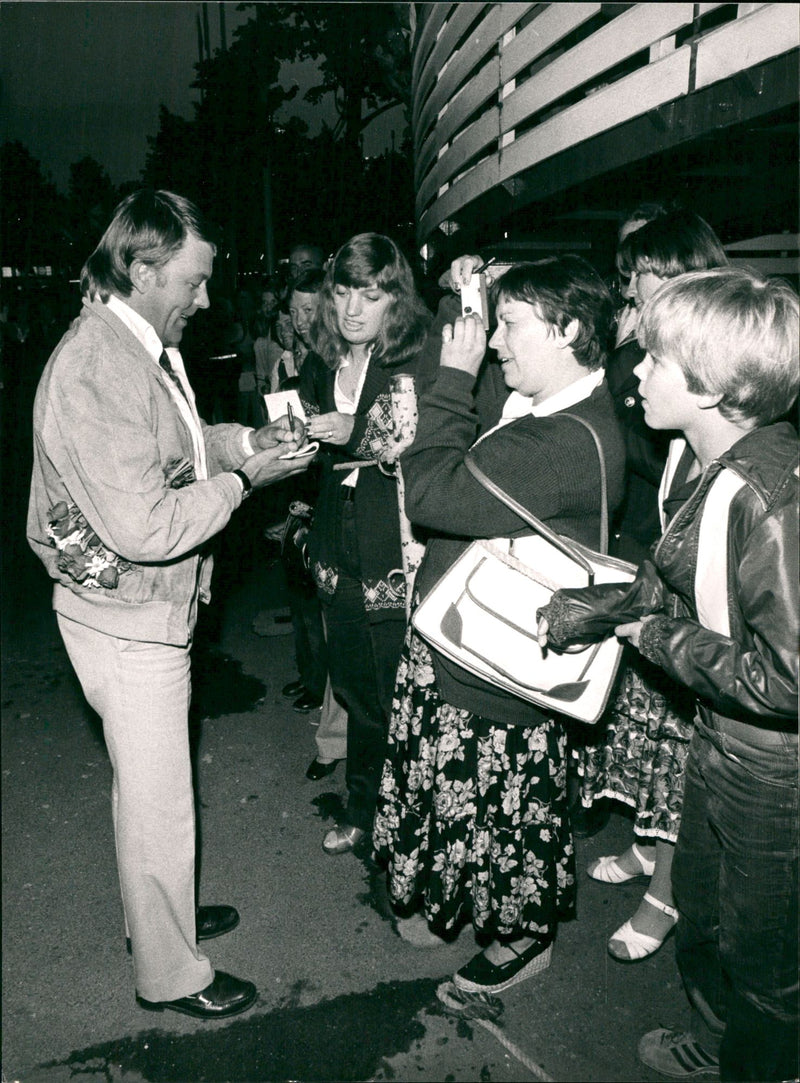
<point x="370" y="325"/>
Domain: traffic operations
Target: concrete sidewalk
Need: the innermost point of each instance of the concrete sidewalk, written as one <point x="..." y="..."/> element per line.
<point x="342" y="997"/>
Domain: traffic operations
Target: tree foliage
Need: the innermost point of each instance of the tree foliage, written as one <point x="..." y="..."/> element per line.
<point x="91" y="199"/>
<point x="234" y="159"/>
<point x="30" y="208"/>
<point x="233" y="151"/>
<point x="41" y="227"/>
<point x="362" y="51"/>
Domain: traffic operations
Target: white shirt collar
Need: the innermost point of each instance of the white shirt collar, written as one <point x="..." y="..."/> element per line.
<point x="144" y="331"/>
<point x="347" y="359"/>
<point x="517" y="405"/>
<point x="146" y="335"/>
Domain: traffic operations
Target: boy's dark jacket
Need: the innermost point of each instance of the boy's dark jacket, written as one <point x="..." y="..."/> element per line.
<point x="751" y="675"/>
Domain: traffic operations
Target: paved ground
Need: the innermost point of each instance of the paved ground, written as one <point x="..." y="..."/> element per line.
<point x="342" y="997"/>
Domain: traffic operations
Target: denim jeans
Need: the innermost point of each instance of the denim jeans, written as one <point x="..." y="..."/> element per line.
<point x="735" y="883"/>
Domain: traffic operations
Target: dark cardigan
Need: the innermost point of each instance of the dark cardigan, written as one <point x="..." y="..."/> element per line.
<point x="548" y="464"/>
<point x="376" y="508"/>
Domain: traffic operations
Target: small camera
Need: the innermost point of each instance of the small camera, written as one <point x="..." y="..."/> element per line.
<point x="473" y="299"/>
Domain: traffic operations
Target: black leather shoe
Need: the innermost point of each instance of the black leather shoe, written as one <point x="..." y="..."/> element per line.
<point x="210" y="921"/>
<point x="306" y="702"/>
<point x="317" y="769"/>
<point x="215" y="921"/>
<point x="225" y="996"/>
<point x="586" y="822"/>
<point x="292" y="689"/>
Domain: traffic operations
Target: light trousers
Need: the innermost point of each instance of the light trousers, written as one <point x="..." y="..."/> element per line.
<point x="331" y="734"/>
<point x="141" y="692"/>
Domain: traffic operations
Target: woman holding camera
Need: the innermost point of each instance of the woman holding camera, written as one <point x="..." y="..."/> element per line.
<point x="472" y="816"/>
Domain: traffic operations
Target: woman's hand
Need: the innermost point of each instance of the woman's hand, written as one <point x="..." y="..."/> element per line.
<point x="461" y="271"/>
<point x="463" y="344"/>
<point x="632" y="632"/>
<point x="334" y="428"/>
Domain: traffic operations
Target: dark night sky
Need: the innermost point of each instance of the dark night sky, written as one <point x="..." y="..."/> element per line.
<point x="87" y="78"/>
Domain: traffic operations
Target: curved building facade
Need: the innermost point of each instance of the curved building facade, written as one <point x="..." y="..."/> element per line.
<point x="539" y="125"/>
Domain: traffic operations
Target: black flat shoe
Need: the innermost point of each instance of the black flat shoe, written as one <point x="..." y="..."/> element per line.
<point x="210" y="921"/>
<point x="317" y="769"/>
<point x="482" y="976"/>
<point x="292" y="689"/>
<point x="225" y="996"/>
<point x="306" y="702"/>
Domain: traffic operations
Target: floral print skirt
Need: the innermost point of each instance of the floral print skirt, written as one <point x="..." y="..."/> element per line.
<point x="641" y="757"/>
<point x="472" y="818"/>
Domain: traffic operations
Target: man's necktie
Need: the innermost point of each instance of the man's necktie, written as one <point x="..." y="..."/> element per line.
<point x="166" y="365"/>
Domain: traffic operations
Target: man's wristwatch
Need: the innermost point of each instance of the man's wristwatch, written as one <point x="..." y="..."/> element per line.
<point x="247" y="485"/>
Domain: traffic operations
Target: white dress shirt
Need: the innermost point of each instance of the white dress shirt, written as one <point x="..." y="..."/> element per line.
<point x="146" y="335"/>
<point x="346" y="405"/>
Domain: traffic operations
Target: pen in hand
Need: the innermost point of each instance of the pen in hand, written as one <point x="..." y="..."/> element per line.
<point x="290" y="415"/>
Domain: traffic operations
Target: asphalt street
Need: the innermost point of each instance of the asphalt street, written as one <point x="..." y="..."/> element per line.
<point x="341" y="995"/>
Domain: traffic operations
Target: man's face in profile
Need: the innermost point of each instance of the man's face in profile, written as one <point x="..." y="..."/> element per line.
<point x="175" y="291"/>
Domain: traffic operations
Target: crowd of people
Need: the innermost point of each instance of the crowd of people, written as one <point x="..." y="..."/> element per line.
<point x="675" y="413"/>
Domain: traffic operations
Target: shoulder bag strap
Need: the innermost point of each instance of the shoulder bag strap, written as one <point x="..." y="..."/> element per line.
<point x="603" y="481"/>
<point x="558" y="540"/>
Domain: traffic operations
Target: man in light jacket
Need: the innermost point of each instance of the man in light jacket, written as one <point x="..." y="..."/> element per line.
<point x="129" y="486"/>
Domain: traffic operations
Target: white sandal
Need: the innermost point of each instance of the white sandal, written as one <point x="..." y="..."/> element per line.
<point x="415" y="930"/>
<point x="640" y="945"/>
<point x="341" y="840"/>
<point x="608" y="871"/>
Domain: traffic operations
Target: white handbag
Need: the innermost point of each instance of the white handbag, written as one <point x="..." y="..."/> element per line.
<point x="482" y="612"/>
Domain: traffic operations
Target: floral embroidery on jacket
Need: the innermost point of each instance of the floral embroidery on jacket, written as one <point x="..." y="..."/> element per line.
<point x="81" y="553"/>
<point x="179" y="472"/>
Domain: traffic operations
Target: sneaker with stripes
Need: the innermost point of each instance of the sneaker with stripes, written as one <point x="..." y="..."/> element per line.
<point x="676" y="1053"/>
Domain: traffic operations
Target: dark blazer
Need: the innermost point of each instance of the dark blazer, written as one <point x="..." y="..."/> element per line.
<point x="376" y="507"/>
